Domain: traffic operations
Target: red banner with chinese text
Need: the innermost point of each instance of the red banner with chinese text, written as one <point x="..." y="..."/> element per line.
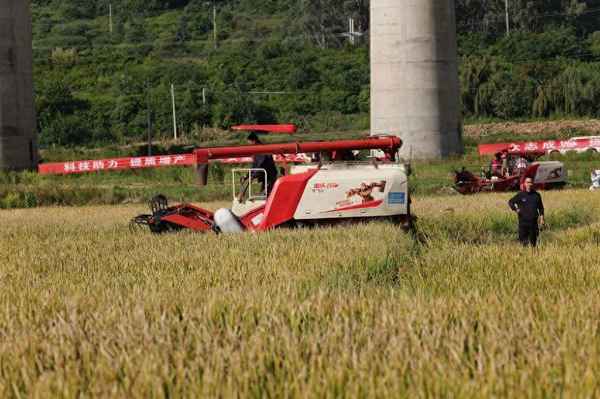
<point x="545" y="146"/>
<point x="98" y="165"/>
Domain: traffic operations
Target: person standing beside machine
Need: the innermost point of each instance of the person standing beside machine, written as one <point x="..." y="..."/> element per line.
<point x="263" y="161"/>
<point x="496" y="165"/>
<point x="529" y="207"/>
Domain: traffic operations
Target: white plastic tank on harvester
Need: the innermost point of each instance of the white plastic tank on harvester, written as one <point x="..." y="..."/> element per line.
<point x="227" y="222"/>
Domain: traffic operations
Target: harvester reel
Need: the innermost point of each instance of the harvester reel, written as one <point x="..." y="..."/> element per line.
<point x="159" y="206"/>
<point x="159" y="203"/>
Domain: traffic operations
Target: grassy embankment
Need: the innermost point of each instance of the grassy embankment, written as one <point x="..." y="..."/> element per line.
<point x="90" y="309"/>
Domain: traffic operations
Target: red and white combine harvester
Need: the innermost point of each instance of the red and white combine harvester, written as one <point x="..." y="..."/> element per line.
<point x="308" y="194"/>
<point x="508" y="171"/>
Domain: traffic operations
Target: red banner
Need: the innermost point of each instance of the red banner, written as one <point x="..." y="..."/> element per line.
<point x="287" y="129"/>
<point x="98" y="165"/>
<point x="547" y="146"/>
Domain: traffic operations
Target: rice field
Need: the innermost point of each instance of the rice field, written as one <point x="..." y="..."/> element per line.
<point x="88" y="308"/>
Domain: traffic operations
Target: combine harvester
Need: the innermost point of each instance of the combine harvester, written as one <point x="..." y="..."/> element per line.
<point x="546" y="174"/>
<point x="309" y="193"/>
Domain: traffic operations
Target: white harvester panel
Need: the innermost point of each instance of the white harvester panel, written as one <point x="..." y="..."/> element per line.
<point x="550" y="172"/>
<point x="352" y="191"/>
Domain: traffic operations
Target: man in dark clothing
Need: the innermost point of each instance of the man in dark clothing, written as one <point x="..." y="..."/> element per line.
<point x="530" y="208"/>
<point x="266" y="162"/>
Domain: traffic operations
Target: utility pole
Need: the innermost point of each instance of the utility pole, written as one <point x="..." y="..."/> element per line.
<point x="507" y="18"/>
<point x="351" y="30"/>
<point x="110" y="21"/>
<point x="204" y="96"/>
<point x="215" y="25"/>
<point x="174" y="112"/>
<point x="149" y="115"/>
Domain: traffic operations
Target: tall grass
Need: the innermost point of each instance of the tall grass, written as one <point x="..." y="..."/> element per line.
<point x="90" y="309"/>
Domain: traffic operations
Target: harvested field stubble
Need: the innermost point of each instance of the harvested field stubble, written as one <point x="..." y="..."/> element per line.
<point x="90" y="309"/>
<point x="558" y="127"/>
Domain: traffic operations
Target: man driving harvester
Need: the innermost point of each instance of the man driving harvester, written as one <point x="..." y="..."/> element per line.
<point x="530" y="208"/>
<point x="262" y="161"/>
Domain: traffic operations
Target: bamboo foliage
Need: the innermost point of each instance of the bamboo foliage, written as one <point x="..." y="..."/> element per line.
<point x="496" y="89"/>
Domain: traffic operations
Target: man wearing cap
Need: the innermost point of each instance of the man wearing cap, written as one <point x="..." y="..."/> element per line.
<point x="530" y="208"/>
<point x="263" y="161"/>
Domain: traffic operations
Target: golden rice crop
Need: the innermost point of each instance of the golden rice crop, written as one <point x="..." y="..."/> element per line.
<point x="88" y="308"/>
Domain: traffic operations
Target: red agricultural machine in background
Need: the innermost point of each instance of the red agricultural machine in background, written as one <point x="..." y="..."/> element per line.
<point x="518" y="165"/>
<point x="326" y="192"/>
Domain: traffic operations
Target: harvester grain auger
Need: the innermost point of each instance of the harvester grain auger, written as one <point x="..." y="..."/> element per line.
<point x="319" y="193"/>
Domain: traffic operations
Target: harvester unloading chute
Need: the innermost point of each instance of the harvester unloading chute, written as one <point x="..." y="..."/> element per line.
<point x="388" y="144"/>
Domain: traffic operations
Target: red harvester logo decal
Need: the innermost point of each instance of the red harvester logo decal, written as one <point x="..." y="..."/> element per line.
<point x="365" y="191"/>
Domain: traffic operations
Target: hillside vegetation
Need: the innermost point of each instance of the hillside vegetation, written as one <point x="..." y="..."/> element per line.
<point x="287" y="60"/>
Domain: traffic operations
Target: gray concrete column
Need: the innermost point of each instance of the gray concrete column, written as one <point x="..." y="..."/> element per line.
<point x="414" y="76"/>
<point x="18" y="137"/>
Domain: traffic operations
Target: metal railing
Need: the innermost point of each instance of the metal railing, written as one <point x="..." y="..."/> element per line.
<point x="246" y="185"/>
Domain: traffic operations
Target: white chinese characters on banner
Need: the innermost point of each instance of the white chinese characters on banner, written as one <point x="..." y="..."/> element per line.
<point x="549" y="145"/>
<point x="165" y="161"/>
<point x="70" y="167"/>
<point x="531" y="146"/>
<point x="113" y="164"/>
<point x="568" y="144"/>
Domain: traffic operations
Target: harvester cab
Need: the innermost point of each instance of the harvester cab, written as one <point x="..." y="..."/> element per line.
<point x="245" y="195"/>
<point x="309" y="194"/>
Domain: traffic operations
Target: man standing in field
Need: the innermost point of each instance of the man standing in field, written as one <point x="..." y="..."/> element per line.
<point x="530" y="208"/>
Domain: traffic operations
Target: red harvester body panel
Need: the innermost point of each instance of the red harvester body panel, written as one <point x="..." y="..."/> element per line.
<point x="283" y="201"/>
